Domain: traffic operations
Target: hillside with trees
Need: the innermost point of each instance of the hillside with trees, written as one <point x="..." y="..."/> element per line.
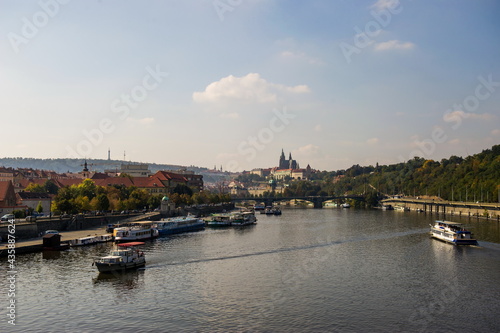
<point x="473" y="178"/>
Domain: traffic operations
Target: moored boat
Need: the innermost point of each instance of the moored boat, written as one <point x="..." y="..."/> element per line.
<point x="219" y="220"/>
<point x="135" y="232"/>
<point x="452" y="232"/>
<point x="243" y="219"/>
<point x="125" y="257"/>
<point x="175" y="225"/>
<point x="346" y="205"/>
<point x="89" y="240"/>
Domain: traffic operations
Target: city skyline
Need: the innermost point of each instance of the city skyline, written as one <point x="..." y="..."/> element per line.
<point x="231" y="83"/>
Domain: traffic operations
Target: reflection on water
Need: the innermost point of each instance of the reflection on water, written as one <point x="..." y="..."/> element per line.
<point x="307" y="270"/>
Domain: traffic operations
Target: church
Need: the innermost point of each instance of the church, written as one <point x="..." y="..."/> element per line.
<point x="287" y="163"/>
<point x="290" y="168"/>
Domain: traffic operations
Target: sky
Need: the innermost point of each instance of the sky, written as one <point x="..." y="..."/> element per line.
<point x="230" y="83"/>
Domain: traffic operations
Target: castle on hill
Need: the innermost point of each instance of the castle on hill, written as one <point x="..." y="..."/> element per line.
<point x="287" y="163"/>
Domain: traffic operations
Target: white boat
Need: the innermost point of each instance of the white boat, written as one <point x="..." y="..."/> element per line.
<point x="126" y="256"/>
<point x="243" y="219"/>
<point x="219" y="220"/>
<point x="104" y="238"/>
<point x="346" y="205"/>
<point x="452" y="232"/>
<point x="89" y="240"/>
<point x="135" y="232"/>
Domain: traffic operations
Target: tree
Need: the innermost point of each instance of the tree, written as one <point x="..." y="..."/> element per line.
<point x="101" y="202"/>
<point x="182" y="189"/>
<point x="39" y="207"/>
<point x="87" y="188"/>
<point x="35" y="188"/>
<point x="50" y="187"/>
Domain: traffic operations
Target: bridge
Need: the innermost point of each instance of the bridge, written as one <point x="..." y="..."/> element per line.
<point x="316" y="200"/>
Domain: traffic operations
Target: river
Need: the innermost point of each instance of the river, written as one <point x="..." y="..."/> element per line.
<point x="308" y="270"/>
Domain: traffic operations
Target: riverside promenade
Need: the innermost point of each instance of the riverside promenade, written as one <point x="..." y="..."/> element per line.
<point x="35" y="244"/>
<point x="29" y="235"/>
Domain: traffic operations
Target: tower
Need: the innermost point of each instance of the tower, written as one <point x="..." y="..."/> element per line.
<point x="109" y="154"/>
<point x="283" y="162"/>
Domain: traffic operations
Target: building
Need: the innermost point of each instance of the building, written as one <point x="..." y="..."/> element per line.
<point x="31" y="200"/>
<point x="289" y="168"/>
<point x="136" y="170"/>
<point x="8" y="199"/>
<point x="287" y="163"/>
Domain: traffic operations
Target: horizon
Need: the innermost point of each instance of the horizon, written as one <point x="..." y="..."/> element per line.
<point x="210" y="169"/>
<point x="231" y="83"/>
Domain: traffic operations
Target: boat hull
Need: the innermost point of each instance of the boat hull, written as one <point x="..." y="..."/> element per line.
<point x="449" y="239"/>
<point x="108" y="268"/>
<point x="181" y="229"/>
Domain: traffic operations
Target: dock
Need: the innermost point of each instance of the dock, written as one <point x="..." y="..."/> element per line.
<point x="35" y="244"/>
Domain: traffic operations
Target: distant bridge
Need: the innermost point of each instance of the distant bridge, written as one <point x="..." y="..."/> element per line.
<point x="316" y="200"/>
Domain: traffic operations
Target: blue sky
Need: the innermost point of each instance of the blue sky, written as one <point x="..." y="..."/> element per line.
<point x="232" y="82"/>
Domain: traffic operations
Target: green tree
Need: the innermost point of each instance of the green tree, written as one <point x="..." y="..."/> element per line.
<point x="39" y="207"/>
<point x="35" y="188"/>
<point x="50" y="186"/>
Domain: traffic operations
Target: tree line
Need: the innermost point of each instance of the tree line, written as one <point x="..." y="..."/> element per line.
<point x="473" y="178"/>
<point x="87" y="196"/>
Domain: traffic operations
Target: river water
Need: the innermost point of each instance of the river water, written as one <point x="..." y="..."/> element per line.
<point x="309" y="270"/>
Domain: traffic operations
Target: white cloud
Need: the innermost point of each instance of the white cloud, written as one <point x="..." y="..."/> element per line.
<point x="457" y="116"/>
<point x="495" y="132"/>
<point x="372" y="141"/>
<point x="394" y="45"/>
<point x="250" y="88"/>
<point x="385" y="4"/>
<point x="318" y="128"/>
<point x="143" y="121"/>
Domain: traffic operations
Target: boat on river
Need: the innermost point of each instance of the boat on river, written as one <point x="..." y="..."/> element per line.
<point x="176" y="225"/>
<point x="243" y="219"/>
<point x="135" y="232"/>
<point x="452" y="232"/>
<point x="125" y="257"/>
<point x="219" y="220"/>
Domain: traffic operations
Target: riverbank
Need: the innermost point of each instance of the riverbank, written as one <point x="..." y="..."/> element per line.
<point x="34" y="245"/>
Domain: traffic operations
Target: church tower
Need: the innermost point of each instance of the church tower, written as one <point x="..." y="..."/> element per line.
<point x="283" y="162"/>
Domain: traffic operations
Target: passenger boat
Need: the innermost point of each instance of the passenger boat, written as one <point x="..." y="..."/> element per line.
<point x="126" y="256"/>
<point x="452" y="232"/>
<point x="104" y="238"/>
<point x="243" y="219"/>
<point x="89" y="240"/>
<point x="175" y="225"/>
<point x="136" y="231"/>
<point x="219" y="220"/>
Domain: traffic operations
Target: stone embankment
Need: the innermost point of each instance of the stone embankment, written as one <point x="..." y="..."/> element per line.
<point x="452" y="208"/>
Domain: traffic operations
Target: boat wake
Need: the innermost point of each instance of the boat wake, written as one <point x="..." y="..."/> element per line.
<point x="295" y="248"/>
